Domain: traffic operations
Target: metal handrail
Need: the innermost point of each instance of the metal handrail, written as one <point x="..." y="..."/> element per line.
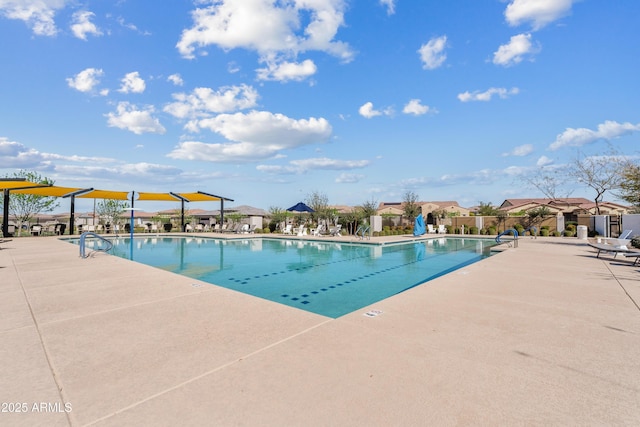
<point x="515" y="236"/>
<point x="84" y="236"/>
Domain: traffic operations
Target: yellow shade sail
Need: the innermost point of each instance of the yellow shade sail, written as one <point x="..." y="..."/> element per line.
<point x="8" y="184"/>
<point x="198" y="197"/>
<point x="51" y="191"/>
<point x="105" y="194"/>
<point x="167" y="197"/>
<point x="26" y="187"/>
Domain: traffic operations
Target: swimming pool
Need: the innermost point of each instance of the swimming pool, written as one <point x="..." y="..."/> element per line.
<point x="327" y="278"/>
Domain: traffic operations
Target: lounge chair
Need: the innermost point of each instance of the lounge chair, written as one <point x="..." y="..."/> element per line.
<point x="36" y="230"/>
<point x="602" y="247"/>
<point x="335" y="231"/>
<point x="442" y="229"/>
<point x="318" y="230"/>
<point x="621" y="241"/>
<point x="430" y="229"/>
<point x="60" y="228"/>
<point x="635" y="255"/>
<point x="287" y="229"/>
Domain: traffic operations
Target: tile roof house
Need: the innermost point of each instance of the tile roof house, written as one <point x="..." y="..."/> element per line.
<point x="427" y="209"/>
<point x="569" y="205"/>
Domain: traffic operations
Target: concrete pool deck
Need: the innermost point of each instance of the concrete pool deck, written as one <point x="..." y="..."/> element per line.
<point x="543" y="334"/>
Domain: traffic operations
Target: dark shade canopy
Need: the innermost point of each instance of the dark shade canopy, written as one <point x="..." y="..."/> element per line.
<point x="300" y="207"/>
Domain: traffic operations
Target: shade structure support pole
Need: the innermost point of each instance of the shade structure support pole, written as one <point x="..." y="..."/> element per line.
<point x="72" y="216"/>
<point x="5" y="214"/>
<point x="133" y="194"/>
<point x="221" y="212"/>
<point x="182" y="224"/>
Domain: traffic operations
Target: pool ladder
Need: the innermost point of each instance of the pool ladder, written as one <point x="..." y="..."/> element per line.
<point x="515" y="237"/>
<point x="83" y="250"/>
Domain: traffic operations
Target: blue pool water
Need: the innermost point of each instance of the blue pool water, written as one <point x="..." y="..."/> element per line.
<point x="327" y="278"/>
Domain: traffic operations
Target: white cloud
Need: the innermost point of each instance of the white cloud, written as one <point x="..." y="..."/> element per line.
<point x="432" y="53"/>
<point x="582" y="136"/>
<point x="131" y="27"/>
<point x="514" y="52"/>
<point x="349" y="178"/>
<point x="253" y="136"/>
<point x="132" y="82"/>
<point x="544" y="161"/>
<point x="203" y="101"/>
<point x="130" y="118"/>
<point x="37" y="14"/>
<point x="82" y="25"/>
<point x="16" y="155"/>
<point x="176" y="79"/>
<point x="296" y="167"/>
<point x="85" y="80"/>
<point x="520" y="151"/>
<point x="276" y="30"/>
<point x="330" y="164"/>
<point x="415" y="107"/>
<point x="390" y="5"/>
<point x="367" y="111"/>
<point x="539" y="12"/>
<point x="488" y="94"/>
<point x="285" y="71"/>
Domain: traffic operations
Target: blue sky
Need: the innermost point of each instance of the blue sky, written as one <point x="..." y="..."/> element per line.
<point x="267" y="101"/>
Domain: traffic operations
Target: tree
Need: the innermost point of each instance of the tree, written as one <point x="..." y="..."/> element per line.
<point x="111" y="210"/>
<point x="278" y="217"/>
<point x="549" y="181"/>
<point x="501" y="216"/>
<point x="629" y="186"/>
<point x="369" y="208"/>
<point x="411" y="208"/>
<point x="487" y="209"/>
<point x="535" y="216"/>
<point x="319" y="202"/>
<point x="24" y="207"/>
<point x="600" y="173"/>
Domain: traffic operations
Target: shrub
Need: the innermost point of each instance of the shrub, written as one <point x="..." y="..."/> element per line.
<point x="473" y="230"/>
<point x="635" y="242"/>
<point x="569" y="233"/>
<point x="556" y="234"/>
<point x="492" y="231"/>
<point x="544" y="232"/>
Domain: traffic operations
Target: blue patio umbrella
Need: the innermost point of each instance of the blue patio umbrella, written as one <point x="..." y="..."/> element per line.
<point x="300" y="207"/>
